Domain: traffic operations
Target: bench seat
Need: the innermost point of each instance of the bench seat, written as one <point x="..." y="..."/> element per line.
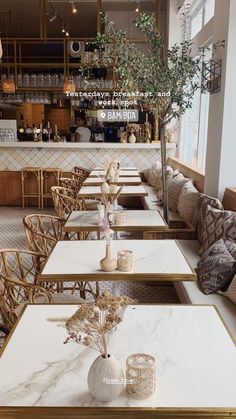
<point x="190" y="293"/>
<point x="150" y="203"/>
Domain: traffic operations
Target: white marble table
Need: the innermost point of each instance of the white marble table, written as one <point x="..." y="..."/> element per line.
<point x="195" y="357"/>
<point x="135" y="220"/>
<point x="154" y="260"/>
<point x="95" y="191"/>
<point x="121" y="168"/>
<point x="123" y="180"/>
<point x="127" y="173"/>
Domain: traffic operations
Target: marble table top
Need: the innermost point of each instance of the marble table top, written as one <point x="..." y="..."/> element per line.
<point x="123" y="180"/>
<point x="135" y="220"/>
<point x="195" y="362"/>
<point x="95" y="191"/>
<point x="127" y="173"/>
<point x="121" y="168"/>
<point x="154" y="260"/>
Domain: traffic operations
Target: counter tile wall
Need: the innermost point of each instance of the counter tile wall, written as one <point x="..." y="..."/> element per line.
<point x="14" y="158"/>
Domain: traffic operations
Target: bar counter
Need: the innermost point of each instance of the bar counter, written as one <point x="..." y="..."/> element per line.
<point x="15" y="155"/>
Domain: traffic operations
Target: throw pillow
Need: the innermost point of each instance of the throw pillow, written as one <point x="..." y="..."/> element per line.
<point x="188" y="201"/>
<point x="170" y="173"/>
<point x="174" y="191"/>
<point x="218" y="224"/>
<point x="231" y="247"/>
<point x="199" y="216"/>
<point x="216" y="268"/>
<point x="146" y="174"/>
<point x="154" y="173"/>
<point x="231" y="291"/>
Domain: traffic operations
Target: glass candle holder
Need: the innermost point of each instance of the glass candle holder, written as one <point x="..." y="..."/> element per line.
<point x="125" y="260"/>
<point x="140" y="376"/>
<point x="119" y="217"/>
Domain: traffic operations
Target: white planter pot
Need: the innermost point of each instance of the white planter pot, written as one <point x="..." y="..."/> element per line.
<point x="103" y="373"/>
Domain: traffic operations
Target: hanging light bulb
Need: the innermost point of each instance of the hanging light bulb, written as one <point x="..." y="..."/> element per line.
<point x="63" y="28"/>
<point x="137" y="8"/>
<point x="69" y="86"/>
<point x="53" y="16"/>
<point x="74" y="8"/>
<point x="1" y="51"/>
<point x="67" y="33"/>
<point x="9" y="86"/>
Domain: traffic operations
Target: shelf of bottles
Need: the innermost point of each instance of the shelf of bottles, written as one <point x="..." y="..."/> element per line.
<point x="48" y="80"/>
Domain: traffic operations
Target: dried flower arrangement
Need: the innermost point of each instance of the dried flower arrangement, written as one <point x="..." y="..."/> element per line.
<point x="97" y="319"/>
<point x="108" y="202"/>
<point x="134" y="128"/>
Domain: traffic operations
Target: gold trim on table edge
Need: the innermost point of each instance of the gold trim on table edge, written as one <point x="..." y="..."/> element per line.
<point x="77" y="229"/>
<point x="118" y="276"/>
<point x="126" y="183"/>
<point x="61" y="412"/>
<point x="99" y="194"/>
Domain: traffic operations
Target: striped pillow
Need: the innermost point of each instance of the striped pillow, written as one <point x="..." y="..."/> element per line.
<point x="174" y="191"/>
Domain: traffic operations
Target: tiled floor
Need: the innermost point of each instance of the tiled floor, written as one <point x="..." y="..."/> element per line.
<point x="12" y="235"/>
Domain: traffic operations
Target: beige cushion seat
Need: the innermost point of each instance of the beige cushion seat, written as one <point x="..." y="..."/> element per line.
<point x="190" y="293"/>
<point x="150" y="202"/>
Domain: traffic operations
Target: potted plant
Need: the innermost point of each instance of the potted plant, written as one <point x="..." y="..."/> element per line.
<point x="167" y="81"/>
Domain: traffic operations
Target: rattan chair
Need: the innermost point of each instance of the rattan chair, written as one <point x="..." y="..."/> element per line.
<point x="42" y="232"/>
<point x="81" y="173"/>
<point x="18" y="284"/>
<point x="70" y="183"/>
<point x="65" y="201"/>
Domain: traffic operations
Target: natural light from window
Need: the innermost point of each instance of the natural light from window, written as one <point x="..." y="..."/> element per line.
<point x="201" y="16"/>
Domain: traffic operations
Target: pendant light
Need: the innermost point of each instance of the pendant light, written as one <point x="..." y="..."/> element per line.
<point x="1" y="51"/>
<point x="69" y="86"/>
<point x="9" y="85"/>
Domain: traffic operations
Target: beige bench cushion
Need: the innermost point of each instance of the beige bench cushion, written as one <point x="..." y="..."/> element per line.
<point x="150" y="203"/>
<point x="190" y="293"/>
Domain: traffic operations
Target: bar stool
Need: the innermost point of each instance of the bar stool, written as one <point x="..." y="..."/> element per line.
<point x="50" y="176"/>
<point x="30" y="184"/>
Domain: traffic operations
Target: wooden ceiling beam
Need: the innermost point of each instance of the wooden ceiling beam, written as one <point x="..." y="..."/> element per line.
<point x="42" y="19"/>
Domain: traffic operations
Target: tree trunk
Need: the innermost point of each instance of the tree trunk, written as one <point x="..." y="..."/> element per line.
<point x="164" y="173"/>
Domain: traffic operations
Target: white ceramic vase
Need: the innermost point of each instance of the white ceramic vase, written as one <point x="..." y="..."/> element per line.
<point x="105" y="188"/>
<point x="108" y="263"/>
<point x="105" y="379"/>
<point x="132" y="138"/>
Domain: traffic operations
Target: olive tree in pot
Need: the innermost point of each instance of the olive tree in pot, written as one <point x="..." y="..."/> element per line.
<point x="168" y="80"/>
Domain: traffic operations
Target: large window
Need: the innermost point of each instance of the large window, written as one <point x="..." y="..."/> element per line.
<point x="194" y="126"/>
<point x="201" y="15"/>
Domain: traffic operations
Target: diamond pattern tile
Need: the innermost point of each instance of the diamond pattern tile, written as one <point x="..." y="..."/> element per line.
<point x="16" y="158"/>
